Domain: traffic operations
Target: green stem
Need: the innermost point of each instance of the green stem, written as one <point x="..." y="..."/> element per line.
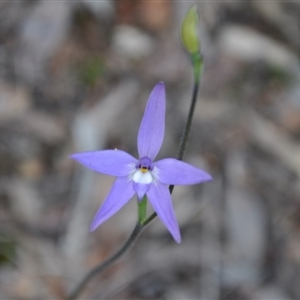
<point x="108" y="262"/>
<point x="142" y="222"/>
<point x="188" y="125"/>
<point x="142" y="210"/>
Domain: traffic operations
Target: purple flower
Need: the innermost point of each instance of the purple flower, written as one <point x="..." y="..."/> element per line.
<point x="143" y="176"/>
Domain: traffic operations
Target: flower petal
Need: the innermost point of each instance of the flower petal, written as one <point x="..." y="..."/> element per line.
<point x="110" y="162"/>
<point x="173" y="171"/>
<point x="141" y="189"/>
<point x="152" y="128"/>
<point x="120" y="193"/>
<point x="160" y="199"/>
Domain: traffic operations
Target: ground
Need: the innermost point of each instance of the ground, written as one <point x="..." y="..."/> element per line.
<point x="75" y="76"/>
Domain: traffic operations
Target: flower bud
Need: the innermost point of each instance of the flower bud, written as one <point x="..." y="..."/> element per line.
<point x="189" y="34"/>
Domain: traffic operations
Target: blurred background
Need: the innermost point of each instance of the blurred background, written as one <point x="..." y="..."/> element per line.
<point x="76" y="75"/>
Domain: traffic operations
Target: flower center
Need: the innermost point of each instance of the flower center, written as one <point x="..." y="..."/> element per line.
<point x="143" y="171"/>
<point x="143" y="178"/>
<point x="144" y="165"/>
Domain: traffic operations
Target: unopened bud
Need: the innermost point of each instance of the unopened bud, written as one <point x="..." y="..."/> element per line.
<point x="189" y="34"/>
